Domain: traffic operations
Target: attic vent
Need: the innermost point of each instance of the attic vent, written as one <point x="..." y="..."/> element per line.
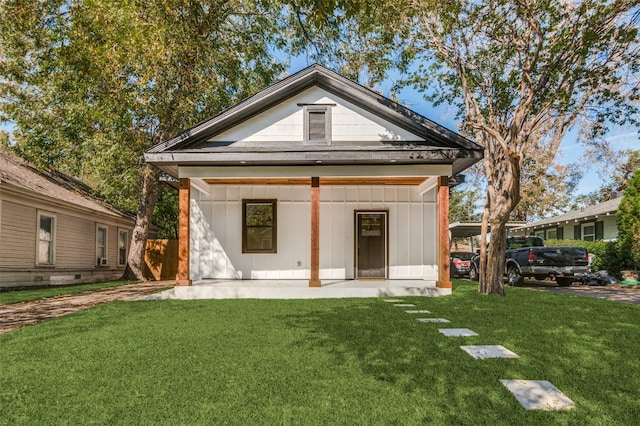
<point x="317" y="125"/>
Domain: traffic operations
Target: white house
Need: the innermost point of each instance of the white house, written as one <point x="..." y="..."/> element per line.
<point x="591" y="223"/>
<point x="315" y="178"/>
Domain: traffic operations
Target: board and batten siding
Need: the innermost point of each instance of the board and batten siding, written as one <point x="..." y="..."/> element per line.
<point x="216" y="232"/>
<point x="284" y="123"/>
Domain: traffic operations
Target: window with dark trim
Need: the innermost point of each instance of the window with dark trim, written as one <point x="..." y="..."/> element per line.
<point x="317" y="125"/>
<point x="259" y="226"/>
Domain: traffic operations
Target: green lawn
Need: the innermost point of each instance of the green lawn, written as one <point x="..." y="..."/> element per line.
<point x="350" y="361"/>
<point x="14" y="296"/>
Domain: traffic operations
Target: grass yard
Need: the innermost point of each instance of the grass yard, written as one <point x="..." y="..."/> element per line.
<point x="15" y="296"/>
<point x="328" y="362"/>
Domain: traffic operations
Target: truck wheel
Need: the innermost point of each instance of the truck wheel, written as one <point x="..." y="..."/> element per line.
<point x="513" y="276"/>
<point x="564" y="281"/>
<point x="473" y="273"/>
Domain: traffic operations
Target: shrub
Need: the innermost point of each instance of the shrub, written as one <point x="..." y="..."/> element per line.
<point x="629" y="223"/>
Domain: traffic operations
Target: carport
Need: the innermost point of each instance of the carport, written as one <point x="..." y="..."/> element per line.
<point x="470" y="229"/>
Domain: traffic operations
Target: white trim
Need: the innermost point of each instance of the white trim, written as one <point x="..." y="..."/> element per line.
<point x="418" y="170"/>
<point x="582" y="233"/>
<point x="429" y="184"/>
<point x="54" y="234"/>
<point x="126" y="246"/>
<point x="106" y="244"/>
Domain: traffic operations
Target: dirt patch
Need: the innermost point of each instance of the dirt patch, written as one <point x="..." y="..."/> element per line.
<point x="18" y="315"/>
<point x="616" y="292"/>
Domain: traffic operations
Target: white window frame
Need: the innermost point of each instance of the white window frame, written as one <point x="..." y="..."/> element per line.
<point x="106" y="239"/>
<point x="122" y="231"/>
<point x="54" y="224"/>
<point x="584" y="234"/>
<point x="326" y="109"/>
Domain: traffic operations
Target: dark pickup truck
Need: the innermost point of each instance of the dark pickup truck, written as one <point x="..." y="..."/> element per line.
<point x="528" y="257"/>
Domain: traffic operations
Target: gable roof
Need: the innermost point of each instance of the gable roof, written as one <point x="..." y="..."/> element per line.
<point x="23" y="176"/>
<point x="438" y="145"/>
<point x="601" y="209"/>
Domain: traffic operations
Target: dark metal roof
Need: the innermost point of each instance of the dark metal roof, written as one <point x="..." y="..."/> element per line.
<point x="440" y="145"/>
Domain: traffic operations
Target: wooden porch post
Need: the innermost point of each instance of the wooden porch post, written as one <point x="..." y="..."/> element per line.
<point x="314" y="281"/>
<point x="183" y="232"/>
<point x="444" y="279"/>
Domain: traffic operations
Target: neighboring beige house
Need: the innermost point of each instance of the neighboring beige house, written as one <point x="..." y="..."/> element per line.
<point x="315" y="178"/>
<point x="591" y="223"/>
<point x="53" y="231"/>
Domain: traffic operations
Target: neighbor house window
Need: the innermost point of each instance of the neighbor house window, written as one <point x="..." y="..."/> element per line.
<point x="317" y="125"/>
<point x="259" y="219"/>
<point x="101" y="244"/>
<point x="123" y="246"/>
<point x="46" y="238"/>
<point x="589" y="231"/>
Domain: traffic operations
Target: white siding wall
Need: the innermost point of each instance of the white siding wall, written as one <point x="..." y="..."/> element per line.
<point x="216" y="228"/>
<point x="284" y="123"/>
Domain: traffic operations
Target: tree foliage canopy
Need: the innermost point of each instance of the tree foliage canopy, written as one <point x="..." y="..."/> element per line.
<point x="629" y="222"/>
<point x="522" y="73"/>
<point x="90" y="85"/>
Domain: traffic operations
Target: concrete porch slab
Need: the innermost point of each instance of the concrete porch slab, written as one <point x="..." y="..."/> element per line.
<point x="299" y="289"/>
<point x="538" y="395"/>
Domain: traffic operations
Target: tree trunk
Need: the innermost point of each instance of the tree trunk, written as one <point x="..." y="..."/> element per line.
<point x="148" y="198"/>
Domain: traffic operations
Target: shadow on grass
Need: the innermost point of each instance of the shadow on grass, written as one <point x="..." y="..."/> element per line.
<point x="587" y="348"/>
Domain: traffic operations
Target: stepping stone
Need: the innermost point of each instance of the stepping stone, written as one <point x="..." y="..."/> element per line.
<point x="457" y="332"/>
<point x="405" y="305"/>
<point x="394" y="300"/>
<point x="483" y="352"/>
<point x="420" y="311"/>
<point x="433" y="320"/>
<point x="538" y="395"/>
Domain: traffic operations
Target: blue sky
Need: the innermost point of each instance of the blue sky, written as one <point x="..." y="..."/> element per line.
<point x="570" y="150"/>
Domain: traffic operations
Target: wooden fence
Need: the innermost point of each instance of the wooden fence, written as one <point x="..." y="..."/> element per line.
<point x="161" y="260"/>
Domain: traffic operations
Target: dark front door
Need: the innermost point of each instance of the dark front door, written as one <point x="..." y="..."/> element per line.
<point x="371" y="245"/>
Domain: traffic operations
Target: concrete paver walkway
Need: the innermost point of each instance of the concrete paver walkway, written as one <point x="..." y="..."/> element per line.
<point x="18" y="315"/>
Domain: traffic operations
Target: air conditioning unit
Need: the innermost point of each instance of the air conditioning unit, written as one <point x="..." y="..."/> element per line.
<point x="102" y="261"/>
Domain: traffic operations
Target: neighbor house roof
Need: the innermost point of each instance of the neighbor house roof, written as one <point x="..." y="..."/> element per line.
<point x="53" y="184"/>
<point x="434" y="144"/>
<point x="604" y="208"/>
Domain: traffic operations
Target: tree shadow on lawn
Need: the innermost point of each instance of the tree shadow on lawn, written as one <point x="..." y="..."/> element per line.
<point x="576" y="346"/>
<point x="391" y="347"/>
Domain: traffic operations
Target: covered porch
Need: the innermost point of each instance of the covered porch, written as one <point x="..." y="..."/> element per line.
<point x="299" y="289"/>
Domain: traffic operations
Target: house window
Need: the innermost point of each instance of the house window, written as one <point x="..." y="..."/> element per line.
<point x="101" y="245"/>
<point x="552" y="234"/>
<point x="540" y="234"/>
<point x="123" y="246"/>
<point x="317" y="125"/>
<point x="259" y="230"/>
<point x="46" y="238"/>
<point x="588" y="231"/>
